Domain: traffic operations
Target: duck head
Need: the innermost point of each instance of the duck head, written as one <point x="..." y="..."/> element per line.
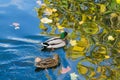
<point x="63" y="35"/>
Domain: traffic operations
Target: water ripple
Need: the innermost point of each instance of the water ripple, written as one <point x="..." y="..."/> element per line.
<point x="24" y="40"/>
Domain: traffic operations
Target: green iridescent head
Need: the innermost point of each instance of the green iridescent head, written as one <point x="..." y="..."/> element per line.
<point x="63" y="35"/>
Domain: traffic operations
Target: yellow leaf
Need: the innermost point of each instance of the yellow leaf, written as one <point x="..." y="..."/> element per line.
<point x="54" y="10"/>
<point x="76" y="55"/>
<point x="111" y="38"/>
<point x="94" y="18"/>
<point x="89" y="17"/>
<point x="107" y="56"/>
<point x="56" y="14"/>
<point x="99" y="69"/>
<point x="48" y="11"/>
<point x="77" y="48"/>
<point x="102" y="8"/>
<point x="83" y="42"/>
<point x="81" y="22"/>
<point x="118" y="1"/>
<point x="82" y="69"/>
<point x="92" y="74"/>
<point x="73" y="42"/>
<point x="42" y="26"/>
<point x="84" y="17"/>
<point x="57" y="19"/>
<point x="46" y="20"/>
<point x="113" y="15"/>
<point x="60" y="27"/>
<point x="117" y="30"/>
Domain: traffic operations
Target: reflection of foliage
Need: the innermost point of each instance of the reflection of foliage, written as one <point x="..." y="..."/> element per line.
<point x="95" y="22"/>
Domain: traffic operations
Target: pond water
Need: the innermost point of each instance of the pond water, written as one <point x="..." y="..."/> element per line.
<point x="19" y="47"/>
<point x="20" y="40"/>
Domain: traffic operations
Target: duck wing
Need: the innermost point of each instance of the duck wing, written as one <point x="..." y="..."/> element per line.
<point x="47" y="63"/>
<point x="51" y="39"/>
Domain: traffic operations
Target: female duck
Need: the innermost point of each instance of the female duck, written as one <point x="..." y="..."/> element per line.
<point x="56" y="42"/>
<point x="47" y="63"/>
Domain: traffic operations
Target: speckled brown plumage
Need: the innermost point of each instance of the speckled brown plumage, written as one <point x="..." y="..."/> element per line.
<point x="48" y="62"/>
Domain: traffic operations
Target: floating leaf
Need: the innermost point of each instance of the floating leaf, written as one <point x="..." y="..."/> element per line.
<point x="82" y="69"/>
<point x="118" y="1"/>
<point x="60" y="27"/>
<point x="73" y="76"/>
<point x="48" y="11"/>
<point x="75" y="55"/>
<point x="77" y="48"/>
<point x="102" y="8"/>
<point x="99" y="69"/>
<point x="107" y="56"/>
<point x="84" y="17"/>
<point x="111" y="38"/>
<point x="83" y="42"/>
<point x="42" y="26"/>
<point x="92" y="73"/>
<point x="54" y="10"/>
<point x="73" y="42"/>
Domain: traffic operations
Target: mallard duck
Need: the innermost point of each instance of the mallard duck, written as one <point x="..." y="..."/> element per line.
<point x="47" y="63"/>
<point x="56" y="42"/>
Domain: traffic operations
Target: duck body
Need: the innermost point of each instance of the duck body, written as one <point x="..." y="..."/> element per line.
<point x="53" y="43"/>
<point x="56" y="42"/>
<point x="47" y="63"/>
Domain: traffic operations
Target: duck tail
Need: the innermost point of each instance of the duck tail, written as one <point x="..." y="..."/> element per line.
<point x="44" y="48"/>
<point x="44" y="44"/>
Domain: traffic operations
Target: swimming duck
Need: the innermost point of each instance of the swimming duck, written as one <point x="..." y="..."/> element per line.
<point x="56" y="42"/>
<point x="47" y="63"/>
